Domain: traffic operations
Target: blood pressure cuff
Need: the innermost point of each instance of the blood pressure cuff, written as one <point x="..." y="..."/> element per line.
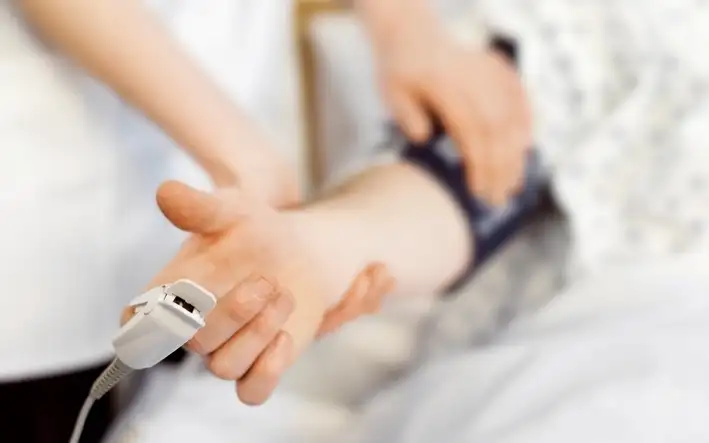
<point x="490" y="227"/>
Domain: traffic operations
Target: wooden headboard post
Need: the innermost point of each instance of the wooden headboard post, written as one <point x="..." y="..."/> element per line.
<point x="305" y="11"/>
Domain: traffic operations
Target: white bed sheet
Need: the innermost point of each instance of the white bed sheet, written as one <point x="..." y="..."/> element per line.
<point x="620" y="357"/>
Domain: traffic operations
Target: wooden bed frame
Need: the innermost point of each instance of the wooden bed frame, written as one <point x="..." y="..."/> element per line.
<point x="305" y="11"/>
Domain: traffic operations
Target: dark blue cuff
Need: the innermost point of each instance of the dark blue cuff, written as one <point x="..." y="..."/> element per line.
<point x="490" y="227"/>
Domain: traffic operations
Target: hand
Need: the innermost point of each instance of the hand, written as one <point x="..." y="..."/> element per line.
<point x="258" y="170"/>
<point x="237" y="239"/>
<point x="476" y="95"/>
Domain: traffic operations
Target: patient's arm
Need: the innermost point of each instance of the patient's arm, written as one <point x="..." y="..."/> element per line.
<point x="123" y="45"/>
<point x="394" y="214"/>
<point x="397" y="216"/>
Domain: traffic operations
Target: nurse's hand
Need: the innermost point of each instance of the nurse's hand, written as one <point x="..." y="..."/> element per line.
<point x="363" y="297"/>
<point x="476" y="95"/>
<point x="256" y="168"/>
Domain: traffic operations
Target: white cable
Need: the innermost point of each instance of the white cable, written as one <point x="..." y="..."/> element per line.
<point x="81" y="421"/>
<point x="128" y="429"/>
<point x="165" y="318"/>
<point x="104" y="383"/>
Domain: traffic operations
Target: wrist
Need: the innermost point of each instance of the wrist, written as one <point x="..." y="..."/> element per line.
<point x="221" y="174"/>
<point x="257" y="170"/>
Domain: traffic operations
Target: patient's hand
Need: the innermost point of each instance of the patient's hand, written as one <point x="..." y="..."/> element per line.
<point x="266" y="277"/>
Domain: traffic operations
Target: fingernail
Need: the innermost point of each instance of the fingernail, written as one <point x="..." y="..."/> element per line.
<point x="263" y="289"/>
<point x="258" y="288"/>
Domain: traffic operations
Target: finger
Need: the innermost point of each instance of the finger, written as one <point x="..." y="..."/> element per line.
<point x="364" y="297"/>
<point x="501" y="158"/>
<point x="353" y="302"/>
<point x="390" y="285"/>
<point x="233" y="359"/>
<point x="232" y="312"/>
<point x="461" y="122"/>
<point x="499" y="152"/>
<point x="477" y="148"/>
<point x="476" y="153"/>
<point x="382" y="284"/>
<point x="127" y="314"/>
<point x="340" y="314"/>
<point x="515" y="129"/>
<point x="526" y="133"/>
<point x="200" y="212"/>
<point x="410" y="114"/>
<point x="371" y="301"/>
<point x="262" y="379"/>
<point x="183" y="266"/>
<point x="520" y="142"/>
<point x="518" y="163"/>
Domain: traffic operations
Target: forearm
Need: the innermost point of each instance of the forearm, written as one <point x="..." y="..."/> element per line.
<point x="384" y="18"/>
<point x="395" y="214"/>
<point x="122" y="44"/>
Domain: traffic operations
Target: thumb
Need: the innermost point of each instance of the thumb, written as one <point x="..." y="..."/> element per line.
<point x="200" y="212"/>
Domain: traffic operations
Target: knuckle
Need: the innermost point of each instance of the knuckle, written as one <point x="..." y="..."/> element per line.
<point x="219" y="260"/>
<point x="265" y="324"/>
<point x="237" y="312"/>
<point x="287" y="301"/>
<point x="267" y="287"/>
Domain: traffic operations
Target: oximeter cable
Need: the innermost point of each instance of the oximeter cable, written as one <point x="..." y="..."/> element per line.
<point x="165" y="318"/>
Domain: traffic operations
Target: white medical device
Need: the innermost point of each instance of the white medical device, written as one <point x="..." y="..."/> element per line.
<point x="165" y="319"/>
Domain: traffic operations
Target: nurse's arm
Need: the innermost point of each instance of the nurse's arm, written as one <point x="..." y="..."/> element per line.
<point x="381" y="17"/>
<point x="122" y="44"/>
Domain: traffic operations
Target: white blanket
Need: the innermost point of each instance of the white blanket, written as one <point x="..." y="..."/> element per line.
<point x="620" y="357"/>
